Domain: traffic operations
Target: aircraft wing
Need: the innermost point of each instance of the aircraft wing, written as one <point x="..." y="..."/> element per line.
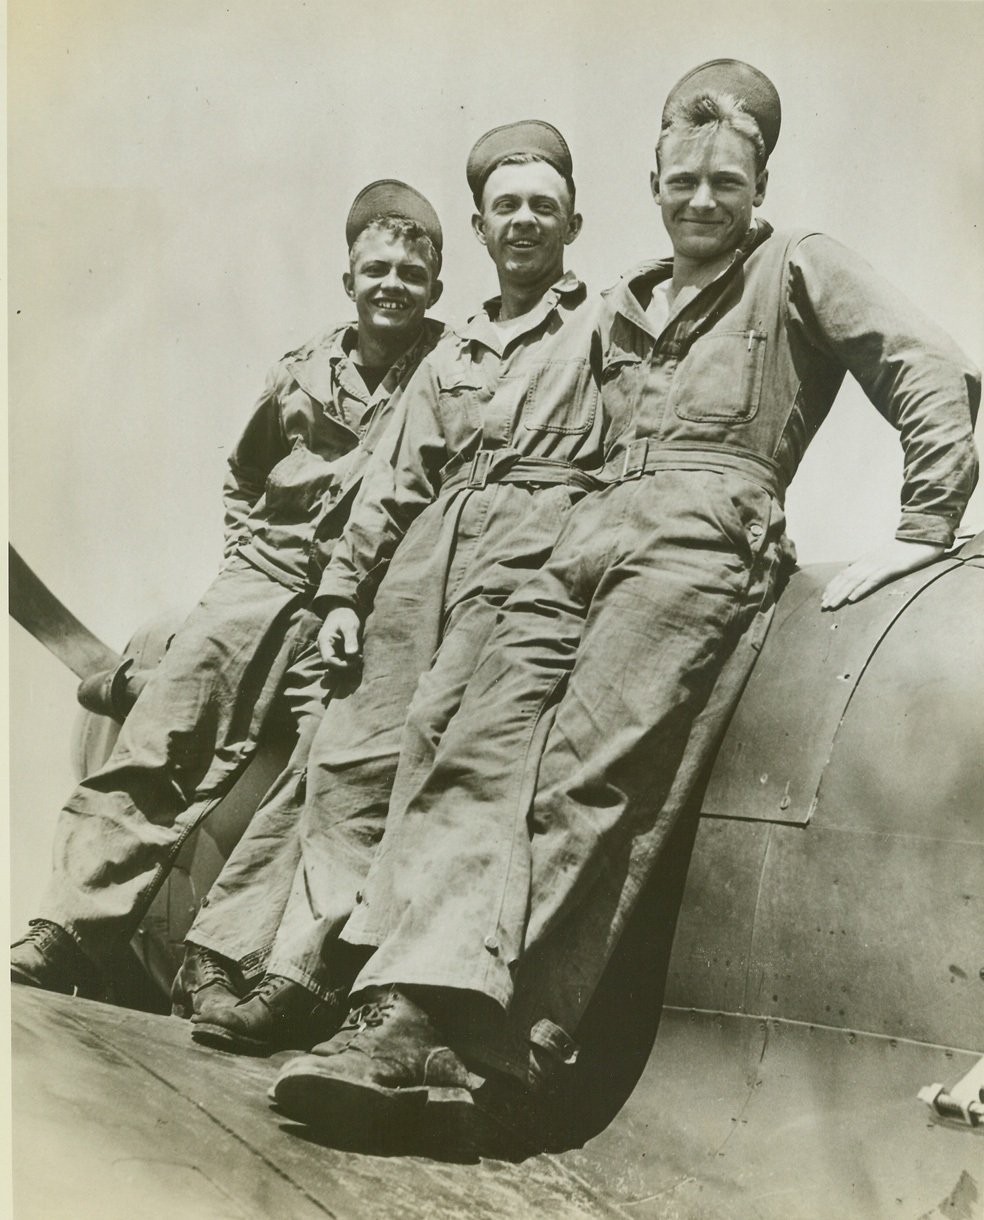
<point x="121" y="1115"/>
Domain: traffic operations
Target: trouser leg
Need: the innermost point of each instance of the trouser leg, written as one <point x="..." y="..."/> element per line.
<point x="649" y="698"/>
<point x="519" y="533"/>
<point x="460" y="853"/>
<point x="486" y="544"/>
<point x="242" y="911"/>
<point x="460" y="850"/>
<point x="191" y="731"/>
<point x="352" y="765"/>
<point x="341" y="851"/>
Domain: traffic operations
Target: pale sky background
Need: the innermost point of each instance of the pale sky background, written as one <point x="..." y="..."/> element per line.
<point x="179" y="176"/>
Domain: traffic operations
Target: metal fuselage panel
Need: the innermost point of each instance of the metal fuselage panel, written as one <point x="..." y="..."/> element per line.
<point x="870" y="917"/>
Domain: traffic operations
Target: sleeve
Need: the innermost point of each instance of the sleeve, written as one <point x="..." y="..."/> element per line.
<point x="262" y="445"/>
<point x="402" y="476"/>
<point x="909" y="368"/>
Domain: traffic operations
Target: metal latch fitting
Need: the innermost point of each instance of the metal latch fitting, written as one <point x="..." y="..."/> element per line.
<point x="964" y="1101"/>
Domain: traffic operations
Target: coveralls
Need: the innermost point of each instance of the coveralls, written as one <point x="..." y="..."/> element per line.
<point x="489" y="453"/>
<point x="612" y="652"/>
<point x="291" y="481"/>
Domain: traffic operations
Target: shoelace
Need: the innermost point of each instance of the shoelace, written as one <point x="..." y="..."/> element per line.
<point x="212" y="970"/>
<point x="39" y="932"/>
<point x="367" y="1016"/>
<point x="266" y="988"/>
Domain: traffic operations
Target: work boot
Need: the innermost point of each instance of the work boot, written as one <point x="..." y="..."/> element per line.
<point x="386" y="1063"/>
<point x="48" y="958"/>
<point x="204" y="979"/>
<point x="278" y="1013"/>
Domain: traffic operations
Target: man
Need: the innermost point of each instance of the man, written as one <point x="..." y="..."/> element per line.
<point x="721" y="364"/>
<point x="491" y="448"/>
<point x="248" y="645"/>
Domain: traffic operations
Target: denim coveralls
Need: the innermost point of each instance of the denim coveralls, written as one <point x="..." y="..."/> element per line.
<point x="291" y="481"/>
<point x="489" y="453"/>
<point x="598" y="688"/>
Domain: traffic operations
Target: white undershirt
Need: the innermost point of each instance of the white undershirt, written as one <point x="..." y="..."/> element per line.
<point x="659" y="311"/>
<point x="511" y="326"/>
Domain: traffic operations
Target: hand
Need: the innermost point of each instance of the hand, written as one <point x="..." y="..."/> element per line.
<point x="338" y="642"/>
<point x="865" y="575"/>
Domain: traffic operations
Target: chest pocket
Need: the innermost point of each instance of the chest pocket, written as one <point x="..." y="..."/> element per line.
<point x="720" y="378"/>
<point x="460" y="399"/>
<point x="562" y="397"/>
<point x="622" y="376"/>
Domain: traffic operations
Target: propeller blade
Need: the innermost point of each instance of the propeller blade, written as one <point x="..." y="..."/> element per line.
<point x="38" y="611"/>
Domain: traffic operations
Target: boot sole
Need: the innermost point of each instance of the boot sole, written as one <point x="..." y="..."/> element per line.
<point x="333" y="1104"/>
<point x="222" y="1039"/>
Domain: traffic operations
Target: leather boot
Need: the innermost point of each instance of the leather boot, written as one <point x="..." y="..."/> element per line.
<point x="276" y="1014"/>
<point x="386" y="1063"/>
<point x="47" y="957"/>
<point x="204" y="980"/>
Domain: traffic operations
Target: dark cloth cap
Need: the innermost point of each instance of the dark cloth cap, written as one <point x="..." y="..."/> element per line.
<point x="527" y="136"/>
<point x="388" y="197"/>
<point x="750" y="86"/>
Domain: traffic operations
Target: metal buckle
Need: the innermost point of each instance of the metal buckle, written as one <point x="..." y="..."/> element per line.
<point x="630" y="468"/>
<point x="478" y="476"/>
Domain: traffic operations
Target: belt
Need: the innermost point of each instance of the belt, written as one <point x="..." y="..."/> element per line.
<point x="508" y="466"/>
<point x="645" y="456"/>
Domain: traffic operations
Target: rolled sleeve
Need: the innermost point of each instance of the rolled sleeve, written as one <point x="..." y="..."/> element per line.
<point x="908" y="367"/>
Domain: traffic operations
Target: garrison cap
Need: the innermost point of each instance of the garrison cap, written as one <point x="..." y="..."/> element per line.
<point x="388" y="197"/>
<point x="527" y="136"/>
<point x="750" y="86"/>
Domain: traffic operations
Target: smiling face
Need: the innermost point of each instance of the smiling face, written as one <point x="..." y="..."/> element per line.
<point x="392" y="283"/>
<point x="706" y="189"/>
<point x="525" y="222"/>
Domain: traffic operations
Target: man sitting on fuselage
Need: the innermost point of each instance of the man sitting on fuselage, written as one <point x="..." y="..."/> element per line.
<point x="250" y="642"/>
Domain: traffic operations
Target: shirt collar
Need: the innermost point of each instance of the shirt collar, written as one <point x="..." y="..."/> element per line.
<point x="480" y="327"/>
<point x="314" y="367"/>
<point x="625" y="298"/>
<point x="327" y="363"/>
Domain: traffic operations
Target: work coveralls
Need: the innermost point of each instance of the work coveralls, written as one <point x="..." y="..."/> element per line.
<point x="489" y="454"/>
<point x="291" y="481"/>
<point x="599" y="685"/>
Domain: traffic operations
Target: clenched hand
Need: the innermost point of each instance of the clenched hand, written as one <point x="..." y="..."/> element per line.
<point x="338" y="642"/>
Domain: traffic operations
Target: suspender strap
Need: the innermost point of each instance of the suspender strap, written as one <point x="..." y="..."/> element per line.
<point x="509" y="466"/>
<point x="645" y="456"/>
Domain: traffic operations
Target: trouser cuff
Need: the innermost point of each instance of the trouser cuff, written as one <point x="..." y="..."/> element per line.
<point x="252" y="965"/>
<point x="303" y="979"/>
<point x="553" y="1049"/>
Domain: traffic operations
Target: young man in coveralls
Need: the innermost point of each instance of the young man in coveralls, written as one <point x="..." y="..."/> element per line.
<point x="247" y="648"/>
